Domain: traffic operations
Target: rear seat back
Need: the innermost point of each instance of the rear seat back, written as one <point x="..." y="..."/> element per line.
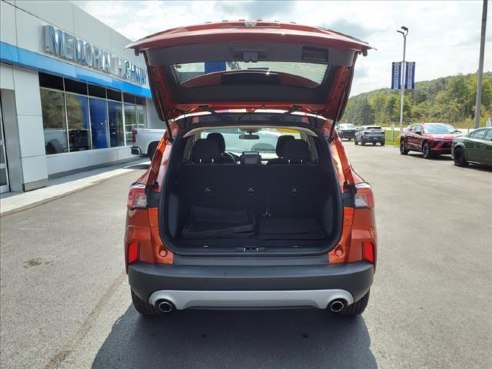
<point x="295" y="185"/>
<point x="210" y="183"/>
<point x="291" y="189"/>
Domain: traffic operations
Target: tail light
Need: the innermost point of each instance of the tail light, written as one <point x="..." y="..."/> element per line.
<point x="132" y="253"/>
<point x="368" y="252"/>
<point x="137" y="198"/>
<point x="134" y="136"/>
<point x="364" y="197"/>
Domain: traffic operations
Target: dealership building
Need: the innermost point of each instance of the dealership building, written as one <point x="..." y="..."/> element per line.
<point x="70" y="94"/>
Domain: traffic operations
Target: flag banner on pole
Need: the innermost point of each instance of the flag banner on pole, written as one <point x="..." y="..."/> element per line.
<point x="410" y="76"/>
<point x="396" y="76"/>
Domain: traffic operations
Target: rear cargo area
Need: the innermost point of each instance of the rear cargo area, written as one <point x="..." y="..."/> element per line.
<point x="281" y="204"/>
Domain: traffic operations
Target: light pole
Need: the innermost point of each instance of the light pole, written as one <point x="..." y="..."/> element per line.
<point x="403" y="69"/>
<point x="480" y="66"/>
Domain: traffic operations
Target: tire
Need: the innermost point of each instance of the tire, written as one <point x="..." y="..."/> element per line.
<point x="374" y="144"/>
<point x="403" y="148"/>
<point x="151" y="150"/>
<point x="143" y="308"/>
<point x="362" y="142"/>
<point x="349" y="139"/>
<point x="357" y="307"/>
<point x="426" y="150"/>
<point x="356" y="142"/>
<point x="382" y="143"/>
<point x="459" y="157"/>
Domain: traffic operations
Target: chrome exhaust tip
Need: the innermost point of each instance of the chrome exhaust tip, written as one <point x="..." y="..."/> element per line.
<point x="337" y="305"/>
<point x="164" y="306"/>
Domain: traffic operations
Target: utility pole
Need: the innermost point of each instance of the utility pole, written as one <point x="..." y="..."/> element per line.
<point x="403" y="69"/>
<point x="480" y="65"/>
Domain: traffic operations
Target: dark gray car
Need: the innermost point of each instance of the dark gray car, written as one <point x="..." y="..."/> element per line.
<point x="346" y="130"/>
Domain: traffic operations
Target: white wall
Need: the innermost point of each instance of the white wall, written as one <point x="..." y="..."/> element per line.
<point x="65" y="162"/>
<point x="30" y="126"/>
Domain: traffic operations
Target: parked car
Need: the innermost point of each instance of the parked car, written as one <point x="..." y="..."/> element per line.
<point x="295" y="230"/>
<point x="372" y="134"/>
<point x="431" y="139"/>
<point x="145" y="141"/>
<point x="346" y="130"/>
<point x="475" y="147"/>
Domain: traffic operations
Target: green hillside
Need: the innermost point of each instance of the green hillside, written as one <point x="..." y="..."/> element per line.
<point x="448" y="99"/>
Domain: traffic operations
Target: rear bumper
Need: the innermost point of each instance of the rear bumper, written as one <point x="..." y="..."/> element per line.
<point x="372" y="138"/>
<point x="136" y="150"/>
<point x="231" y="286"/>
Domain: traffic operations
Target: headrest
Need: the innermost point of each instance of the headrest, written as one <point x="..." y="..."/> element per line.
<point x="205" y="151"/>
<point x="250" y="158"/>
<point x="297" y="151"/>
<point x="216" y="136"/>
<point x="281" y="143"/>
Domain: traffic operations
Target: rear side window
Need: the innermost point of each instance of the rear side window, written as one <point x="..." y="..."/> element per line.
<point x="480" y="134"/>
<point x="488" y="136"/>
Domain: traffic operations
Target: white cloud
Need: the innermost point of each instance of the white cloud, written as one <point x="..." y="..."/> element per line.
<point x="443" y="40"/>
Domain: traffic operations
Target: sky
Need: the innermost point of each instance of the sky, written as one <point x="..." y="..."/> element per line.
<point x="443" y="38"/>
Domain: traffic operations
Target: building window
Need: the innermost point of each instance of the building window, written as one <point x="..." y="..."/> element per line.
<point x="99" y="121"/>
<point x="78" y="116"/>
<point x="54" y="122"/>
<point x="135" y="116"/>
<point x="79" y="134"/>
<point x="116" y="132"/>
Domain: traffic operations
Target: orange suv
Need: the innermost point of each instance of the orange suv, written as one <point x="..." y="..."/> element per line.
<point x="250" y="200"/>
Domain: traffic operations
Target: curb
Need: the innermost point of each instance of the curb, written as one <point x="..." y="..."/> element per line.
<point x="32" y="199"/>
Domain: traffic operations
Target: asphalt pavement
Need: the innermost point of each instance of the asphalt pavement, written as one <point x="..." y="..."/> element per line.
<point x="65" y="300"/>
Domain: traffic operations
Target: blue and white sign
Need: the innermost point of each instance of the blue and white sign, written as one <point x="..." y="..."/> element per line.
<point x="410" y="76"/>
<point x="396" y="76"/>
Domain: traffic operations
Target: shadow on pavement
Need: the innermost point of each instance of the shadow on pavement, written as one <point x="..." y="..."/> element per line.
<point x="144" y="165"/>
<point x="443" y="157"/>
<point x="237" y="339"/>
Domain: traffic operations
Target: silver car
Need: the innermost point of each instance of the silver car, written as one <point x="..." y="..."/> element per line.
<point x="373" y="134"/>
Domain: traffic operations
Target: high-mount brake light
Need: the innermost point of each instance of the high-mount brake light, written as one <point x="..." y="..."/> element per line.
<point x="137" y="198"/>
<point x="364" y="197"/>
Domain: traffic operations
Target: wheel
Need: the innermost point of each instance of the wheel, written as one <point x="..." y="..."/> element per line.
<point x="357" y="307"/>
<point x="382" y="143"/>
<point x="403" y="148"/>
<point x="362" y="142"/>
<point x="426" y="151"/>
<point x="355" y="141"/>
<point x="374" y="144"/>
<point x="459" y="157"/>
<point x="349" y="139"/>
<point x="143" y="308"/>
<point x="151" y="149"/>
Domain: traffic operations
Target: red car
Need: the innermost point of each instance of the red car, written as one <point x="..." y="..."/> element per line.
<point x="250" y="200"/>
<point x="431" y="139"/>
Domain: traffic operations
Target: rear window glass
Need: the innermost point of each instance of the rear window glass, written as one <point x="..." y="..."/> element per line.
<point x="290" y="73"/>
<point x="263" y="140"/>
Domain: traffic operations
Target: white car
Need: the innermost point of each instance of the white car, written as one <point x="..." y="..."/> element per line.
<point x="145" y="141"/>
